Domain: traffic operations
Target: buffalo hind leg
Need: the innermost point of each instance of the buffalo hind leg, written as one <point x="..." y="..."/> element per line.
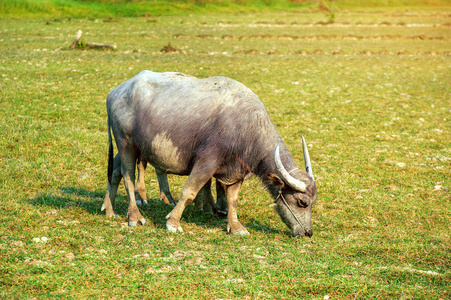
<point x="140" y="188"/>
<point x="111" y="190"/>
<point x="200" y="175"/>
<point x="165" y="194"/>
<point x="128" y="165"/>
<point x="233" y="225"/>
<point x="220" y="207"/>
<point x="204" y="200"/>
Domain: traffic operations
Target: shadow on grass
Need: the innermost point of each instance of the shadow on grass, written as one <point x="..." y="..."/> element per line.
<point x="71" y="197"/>
<point x="258" y="226"/>
<point x="91" y="202"/>
<point x="155" y="211"/>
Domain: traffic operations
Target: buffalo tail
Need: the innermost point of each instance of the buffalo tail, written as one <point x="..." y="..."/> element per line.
<point x="110" y="153"/>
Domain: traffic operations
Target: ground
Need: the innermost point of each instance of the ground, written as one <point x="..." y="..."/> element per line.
<point x="370" y="93"/>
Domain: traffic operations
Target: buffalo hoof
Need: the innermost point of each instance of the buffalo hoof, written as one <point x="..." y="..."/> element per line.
<point x="173" y="228"/>
<point x="237" y="230"/>
<point x="220" y="213"/>
<point x="111" y="215"/>
<point x="109" y="212"/>
<point x="173" y="224"/>
<point x="134" y="223"/>
<point x="167" y="199"/>
<point x="141" y="202"/>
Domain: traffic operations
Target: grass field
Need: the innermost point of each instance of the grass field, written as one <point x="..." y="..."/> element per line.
<point x="370" y="93"/>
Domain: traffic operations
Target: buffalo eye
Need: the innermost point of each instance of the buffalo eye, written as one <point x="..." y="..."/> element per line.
<point x="302" y="203"/>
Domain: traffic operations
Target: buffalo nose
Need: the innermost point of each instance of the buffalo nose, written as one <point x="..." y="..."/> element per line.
<point x="309" y="233"/>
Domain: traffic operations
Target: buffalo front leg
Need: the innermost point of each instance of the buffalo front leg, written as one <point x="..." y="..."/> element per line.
<point x="111" y="190"/>
<point x="165" y="194"/>
<point x="200" y="175"/>
<point x="140" y="188"/>
<point x="128" y="172"/>
<point x="233" y="225"/>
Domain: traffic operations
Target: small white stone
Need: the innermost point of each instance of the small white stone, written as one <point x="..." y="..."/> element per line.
<point x="401" y="164"/>
<point x="18" y="243"/>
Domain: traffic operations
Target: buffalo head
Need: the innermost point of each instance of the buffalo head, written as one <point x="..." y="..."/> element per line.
<point x="297" y="194"/>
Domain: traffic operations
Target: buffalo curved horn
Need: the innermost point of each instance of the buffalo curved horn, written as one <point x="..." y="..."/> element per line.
<point x="308" y="164"/>
<point x="290" y="180"/>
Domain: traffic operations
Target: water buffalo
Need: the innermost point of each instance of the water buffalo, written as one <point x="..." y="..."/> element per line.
<point x="204" y="128"/>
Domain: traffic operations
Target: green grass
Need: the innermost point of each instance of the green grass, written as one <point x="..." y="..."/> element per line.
<point x="113" y="8"/>
<point x="370" y="93"/>
<point x="57" y="9"/>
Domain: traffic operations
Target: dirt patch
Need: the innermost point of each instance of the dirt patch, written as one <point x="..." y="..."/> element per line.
<point x="181" y="36"/>
<point x="205" y="36"/>
<point x="251" y="51"/>
<point x="149" y="36"/>
<point x="170" y="49"/>
<point x="111" y="20"/>
<point x="317" y="37"/>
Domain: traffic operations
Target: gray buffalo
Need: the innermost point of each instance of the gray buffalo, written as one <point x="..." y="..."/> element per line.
<point x="204" y="128"/>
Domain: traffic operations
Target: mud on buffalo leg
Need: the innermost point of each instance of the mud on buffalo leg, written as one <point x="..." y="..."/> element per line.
<point x="234" y="226"/>
<point x="201" y="173"/>
<point x="111" y="190"/>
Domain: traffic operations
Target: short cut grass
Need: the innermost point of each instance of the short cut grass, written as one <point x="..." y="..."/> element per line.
<point x="370" y="93"/>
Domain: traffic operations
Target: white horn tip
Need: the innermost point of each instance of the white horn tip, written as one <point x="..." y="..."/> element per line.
<point x="308" y="164"/>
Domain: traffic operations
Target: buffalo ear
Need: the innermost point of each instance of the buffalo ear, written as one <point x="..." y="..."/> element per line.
<point x="276" y="180"/>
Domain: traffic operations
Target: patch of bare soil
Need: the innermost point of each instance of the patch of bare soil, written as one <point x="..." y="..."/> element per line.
<point x="335" y="52"/>
<point x="205" y="36"/>
<point x="170" y="49"/>
<point x="369" y="52"/>
<point x="181" y="36"/>
<point x="251" y="51"/>
<point x="318" y="37"/>
<point x="146" y="35"/>
<point x="335" y="24"/>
